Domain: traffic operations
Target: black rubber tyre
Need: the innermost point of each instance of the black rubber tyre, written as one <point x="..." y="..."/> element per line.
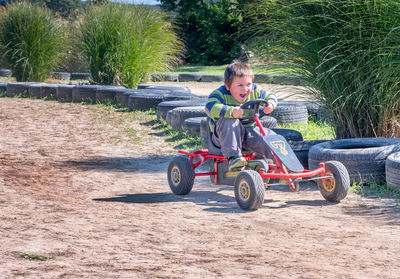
<point x="364" y="158"/>
<point x="164" y="77"/>
<point x="5" y="73"/>
<point x="212" y="78"/>
<point x="289" y="134"/>
<point x="122" y="97"/>
<point x="36" y="90"/>
<point x="84" y="93"/>
<point x="268" y="122"/>
<point x="164" y="107"/>
<point x="49" y="91"/>
<point x="61" y="75"/>
<point x="106" y="94"/>
<point x="18" y="88"/>
<point x="392" y="170"/>
<point x="83" y="76"/>
<point x="189" y="77"/>
<point x="3" y="88"/>
<point x="192" y="125"/>
<point x="334" y="189"/>
<point x="249" y="190"/>
<point x="301" y="149"/>
<point x="178" y="115"/>
<point x="180" y="175"/>
<point x="64" y="92"/>
<point x="172" y="88"/>
<point x="290" y="112"/>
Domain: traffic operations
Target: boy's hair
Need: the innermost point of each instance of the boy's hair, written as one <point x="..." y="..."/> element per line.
<point x="237" y="69"/>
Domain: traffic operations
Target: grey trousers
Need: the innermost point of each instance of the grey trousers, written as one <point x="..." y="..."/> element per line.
<point x="233" y="138"/>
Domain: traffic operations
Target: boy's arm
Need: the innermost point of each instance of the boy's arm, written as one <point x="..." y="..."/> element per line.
<point x="216" y="107"/>
<point x="269" y="96"/>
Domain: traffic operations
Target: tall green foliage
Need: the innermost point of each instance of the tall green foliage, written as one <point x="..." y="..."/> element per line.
<point x="31" y="38"/>
<point x="124" y="43"/>
<point x="349" y="53"/>
<point x="211" y="29"/>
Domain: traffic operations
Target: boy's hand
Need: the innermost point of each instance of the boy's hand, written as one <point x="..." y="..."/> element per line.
<point x="237" y="112"/>
<point x="268" y="108"/>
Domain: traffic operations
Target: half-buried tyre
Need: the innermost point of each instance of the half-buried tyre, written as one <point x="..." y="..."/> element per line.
<point x="84" y="93"/>
<point x="290" y="112"/>
<point x="178" y="115"/>
<point x="180" y="175"/>
<point x="164" y="107"/>
<point x="364" y="158"/>
<point x="301" y="149"/>
<point x="392" y="168"/>
<point x="192" y="125"/>
<point x="289" y="134"/>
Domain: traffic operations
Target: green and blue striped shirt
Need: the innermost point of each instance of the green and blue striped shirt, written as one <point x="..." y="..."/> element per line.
<point x="220" y="103"/>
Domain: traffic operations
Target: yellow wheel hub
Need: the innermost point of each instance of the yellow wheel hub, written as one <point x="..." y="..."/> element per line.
<point x="329" y="184"/>
<point x="244" y="190"/>
<point x="175" y="175"/>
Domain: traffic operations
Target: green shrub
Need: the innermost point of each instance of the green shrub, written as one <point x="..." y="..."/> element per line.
<point x="210" y="29"/>
<point x="349" y="53"/>
<point x="125" y="43"/>
<point x="31" y="39"/>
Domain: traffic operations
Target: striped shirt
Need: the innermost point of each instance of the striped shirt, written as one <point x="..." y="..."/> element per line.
<point x="220" y="103"/>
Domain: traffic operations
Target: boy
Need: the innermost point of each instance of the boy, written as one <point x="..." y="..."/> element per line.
<point x="223" y="107"/>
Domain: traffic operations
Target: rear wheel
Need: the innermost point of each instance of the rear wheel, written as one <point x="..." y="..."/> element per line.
<point x="336" y="188"/>
<point x="249" y="190"/>
<point x="180" y="175"/>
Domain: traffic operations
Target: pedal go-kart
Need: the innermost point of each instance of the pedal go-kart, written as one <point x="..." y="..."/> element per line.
<point x="251" y="181"/>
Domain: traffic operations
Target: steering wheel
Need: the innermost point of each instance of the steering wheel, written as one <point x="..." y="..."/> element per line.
<point x="255" y="111"/>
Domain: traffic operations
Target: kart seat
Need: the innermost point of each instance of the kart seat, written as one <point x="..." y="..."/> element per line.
<point x="208" y="142"/>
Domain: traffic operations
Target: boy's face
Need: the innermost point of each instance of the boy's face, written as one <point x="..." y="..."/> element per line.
<point x="240" y="88"/>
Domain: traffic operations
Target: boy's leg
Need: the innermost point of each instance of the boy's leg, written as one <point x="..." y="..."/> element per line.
<point x="253" y="141"/>
<point x="229" y="135"/>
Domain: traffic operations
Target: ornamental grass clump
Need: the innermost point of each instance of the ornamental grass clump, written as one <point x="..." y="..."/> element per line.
<point x="31" y="39"/>
<point x="124" y="43"/>
<point x="349" y="53"/>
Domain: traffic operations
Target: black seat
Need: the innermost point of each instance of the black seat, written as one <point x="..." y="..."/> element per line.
<point x="208" y="142"/>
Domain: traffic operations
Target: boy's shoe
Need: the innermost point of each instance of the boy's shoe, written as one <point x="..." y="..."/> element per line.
<point x="236" y="162"/>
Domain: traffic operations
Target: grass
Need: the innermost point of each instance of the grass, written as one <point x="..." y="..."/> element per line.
<point x="314" y="130"/>
<point x="219" y="70"/>
<point x="375" y="190"/>
<point x="33" y="257"/>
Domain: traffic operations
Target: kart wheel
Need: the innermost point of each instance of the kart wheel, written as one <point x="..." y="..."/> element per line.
<point x="336" y="188"/>
<point x="180" y="175"/>
<point x="249" y="190"/>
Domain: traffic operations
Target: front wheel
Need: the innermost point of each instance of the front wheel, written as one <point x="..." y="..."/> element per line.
<point x="336" y="188"/>
<point x="249" y="190"/>
<point x="180" y="175"/>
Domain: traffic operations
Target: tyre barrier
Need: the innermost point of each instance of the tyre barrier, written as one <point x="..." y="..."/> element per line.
<point x="106" y="94"/>
<point x="61" y="75"/>
<point x="164" y="107"/>
<point x="84" y="93"/>
<point x="392" y="170"/>
<point x="145" y="99"/>
<point x="83" y="76"/>
<point x="122" y="97"/>
<point x="364" y="158"/>
<point x="290" y="112"/>
<point x="5" y="73"/>
<point x="189" y="77"/>
<point x="49" y="90"/>
<point x="212" y="78"/>
<point x="35" y="90"/>
<point x="301" y="149"/>
<point x="178" y="115"/>
<point x="164" y="77"/>
<point x="17" y="88"/>
<point x="289" y="134"/>
<point x="192" y="125"/>
<point x="171" y="88"/>
<point x="64" y="92"/>
<point x="3" y="88"/>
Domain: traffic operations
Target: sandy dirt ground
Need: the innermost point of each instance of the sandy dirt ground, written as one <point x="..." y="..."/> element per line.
<point x="84" y="194"/>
